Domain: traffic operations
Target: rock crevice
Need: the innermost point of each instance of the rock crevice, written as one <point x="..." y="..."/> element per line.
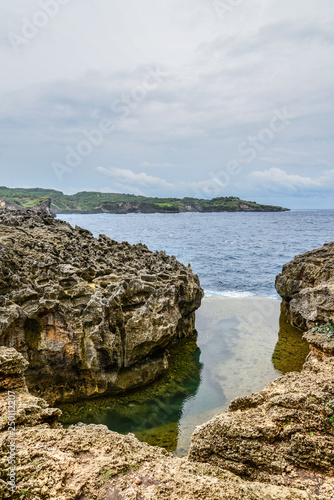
<point x="284" y="434"/>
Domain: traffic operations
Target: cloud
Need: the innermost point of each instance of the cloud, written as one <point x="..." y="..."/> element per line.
<point x="280" y="180"/>
<point x="290" y="157"/>
<point x="135" y="182"/>
<point x="223" y="78"/>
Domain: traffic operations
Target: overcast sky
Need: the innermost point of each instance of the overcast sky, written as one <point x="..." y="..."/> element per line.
<point x="179" y="98"/>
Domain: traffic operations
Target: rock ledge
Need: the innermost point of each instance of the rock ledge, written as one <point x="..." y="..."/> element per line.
<point x="92" y="316"/>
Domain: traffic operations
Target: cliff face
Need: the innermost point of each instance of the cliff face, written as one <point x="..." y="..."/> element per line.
<point x="43" y="206"/>
<point x="306" y="286"/>
<point x="90" y="315"/>
<point x="9" y="205"/>
<point x="90" y="462"/>
<point x="147" y="207"/>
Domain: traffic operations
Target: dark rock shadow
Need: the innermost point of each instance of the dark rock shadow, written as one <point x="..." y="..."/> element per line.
<point x="291" y="350"/>
<point x="151" y="413"/>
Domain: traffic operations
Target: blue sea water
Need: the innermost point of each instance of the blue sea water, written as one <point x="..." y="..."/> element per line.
<point x="235" y="254"/>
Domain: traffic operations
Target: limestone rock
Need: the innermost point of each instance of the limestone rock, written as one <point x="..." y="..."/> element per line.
<point x="11" y="362"/>
<point x="90" y="462"/>
<point x="43" y="206"/>
<point x="29" y="410"/>
<point x="282" y="435"/>
<point x="9" y="205"/>
<point x="12" y="366"/>
<point x="306" y="285"/>
<point x="91" y="316"/>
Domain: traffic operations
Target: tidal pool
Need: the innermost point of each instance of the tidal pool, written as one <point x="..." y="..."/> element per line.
<point x="242" y="344"/>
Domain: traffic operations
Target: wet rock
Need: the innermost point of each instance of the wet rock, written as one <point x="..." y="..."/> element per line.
<point x="306" y="286"/>
<point x="281" y="435"/>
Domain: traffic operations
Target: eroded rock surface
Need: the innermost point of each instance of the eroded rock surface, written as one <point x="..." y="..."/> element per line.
<point x="91" y="316"/>
<point x="88" y="462"/>
<point x="282" y="435"/>
<point x="30" y="410"/>
<point x="306" y="286"/>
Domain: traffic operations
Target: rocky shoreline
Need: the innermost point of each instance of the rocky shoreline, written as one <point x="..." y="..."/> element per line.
<point x="87" y="462"/>
<point x="92" y="316"/>
<point x="275" y="444"/>
<point x="284" y="434"/>
<point x="134" y="207"/>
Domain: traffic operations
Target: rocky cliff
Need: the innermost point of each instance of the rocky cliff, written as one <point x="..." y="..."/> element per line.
<point x="284" y="434"/>
<point x="306" y="286"/>
<point x="43" y="206"/>
<point x="9" y="205"/>
<point x="87" y="462"/>
<point x="275" y="444"/>
<point x="90" y="315"/>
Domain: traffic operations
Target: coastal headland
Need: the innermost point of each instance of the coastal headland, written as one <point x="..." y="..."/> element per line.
<point x="88" y="202"/>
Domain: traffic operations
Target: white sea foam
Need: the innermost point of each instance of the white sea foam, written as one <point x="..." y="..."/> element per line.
<point x="227" y="293"/>
<point x="234" y="294"/>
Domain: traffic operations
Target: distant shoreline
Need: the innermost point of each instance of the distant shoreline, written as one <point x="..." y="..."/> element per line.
<point x="170" y="212"/>
<point x="89" y="202"/>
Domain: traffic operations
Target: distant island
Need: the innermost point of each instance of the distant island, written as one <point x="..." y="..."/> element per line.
<point x="89" y="202"/>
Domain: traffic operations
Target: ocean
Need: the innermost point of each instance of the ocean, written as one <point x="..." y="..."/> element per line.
<point x="243" y="343"/>
<point x="234" y="254"/>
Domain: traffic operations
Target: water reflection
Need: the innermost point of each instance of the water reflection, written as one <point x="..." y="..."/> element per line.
<point x="152" y="413"/>
<point x="291" y="350"/>
<point x="236" y="353"/>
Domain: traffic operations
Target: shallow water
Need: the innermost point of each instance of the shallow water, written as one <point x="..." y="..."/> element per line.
<point x="242" y="345"/>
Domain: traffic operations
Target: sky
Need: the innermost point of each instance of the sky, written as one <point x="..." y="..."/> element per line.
<point x="199" y="98"/>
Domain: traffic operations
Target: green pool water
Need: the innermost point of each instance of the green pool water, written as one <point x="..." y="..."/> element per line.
<point x="241" y="345"/>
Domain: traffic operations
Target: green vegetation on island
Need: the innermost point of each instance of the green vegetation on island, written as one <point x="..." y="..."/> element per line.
<point x="96" y="202"/>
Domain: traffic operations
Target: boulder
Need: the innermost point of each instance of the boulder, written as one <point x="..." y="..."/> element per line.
<point x="306" y="286"/>
<point x="91" y="316"/>
<point x="28" y="409"/>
